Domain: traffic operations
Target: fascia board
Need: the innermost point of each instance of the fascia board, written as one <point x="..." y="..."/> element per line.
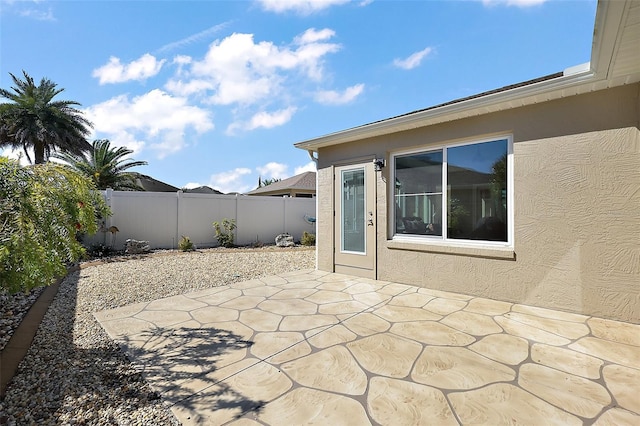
<point x="606" y="34"/>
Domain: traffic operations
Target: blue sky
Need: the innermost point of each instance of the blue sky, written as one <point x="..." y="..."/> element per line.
<point x="217" y="92"/>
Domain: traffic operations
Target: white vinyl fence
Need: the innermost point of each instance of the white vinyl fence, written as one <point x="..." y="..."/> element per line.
<point x="162" y="218"/>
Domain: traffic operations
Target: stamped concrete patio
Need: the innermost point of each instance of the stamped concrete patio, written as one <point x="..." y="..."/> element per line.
<point x="311" y="347"/>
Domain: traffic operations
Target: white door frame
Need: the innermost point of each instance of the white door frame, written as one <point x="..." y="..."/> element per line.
<point x="354" y="224"/>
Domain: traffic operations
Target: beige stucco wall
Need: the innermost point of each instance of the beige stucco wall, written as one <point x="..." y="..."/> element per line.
<point x="577" y="208"/>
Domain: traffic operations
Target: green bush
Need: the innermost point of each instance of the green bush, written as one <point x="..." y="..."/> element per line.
<point x="186" y="244"/>
<point x="42" y="209"/>
<point x="308" y="239"/>
<point x="224" y="232"/>
<point x="100" y="250"/>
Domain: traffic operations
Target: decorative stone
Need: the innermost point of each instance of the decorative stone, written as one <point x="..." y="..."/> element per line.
<point x="285" y="240"/>
<point x="502" y="403"/>
<point x="623" y="384"/>
<point x="393" y="401"/>
<point x="566" y="360"/>
<point x="311" y="406"/>
<point x="386" y="354"/>
<point x="279" y="347"/>
<point x="136" y="247"/>
<point x="458" y="368"/>
<point x="315" y="371"/>
<point x="503" y="348"/>
<point x="574" y="394"/>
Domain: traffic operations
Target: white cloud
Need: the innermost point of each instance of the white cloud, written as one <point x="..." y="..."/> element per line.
<point x="262" y="119"/>
<point x="273" y="119"/>
<point x="38" y="15"/>
<point x="309" y="167"/>
<point x="332" y="97"/>
<point x="231" y="181"/>
<point x="189" y="87"/>
<point x="238" y="70"/>
<point x="181" y="61"/>
<point x="115" y="72"/>
<point x="156" y="120"/>
<point x="413" y="60"/>
<point x="273" y="170"/>
<point x="304" y="7"/>
<point x="517" y="3"/>
<point x="312" y="35"/>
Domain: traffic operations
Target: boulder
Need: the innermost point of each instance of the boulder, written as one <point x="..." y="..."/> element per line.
<point x="136" y="247"/>
<point x="285" y="240"/>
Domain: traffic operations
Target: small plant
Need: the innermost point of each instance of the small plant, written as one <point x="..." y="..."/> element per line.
<point x="224" y="232"/>
<point x="308" y="239"/>
<point x="186" y="244"/>
<point x="257" y="243"/>
<point x="99" y="250"/>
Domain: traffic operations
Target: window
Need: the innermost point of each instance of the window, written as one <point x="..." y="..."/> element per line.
<point x="457" y="192"/>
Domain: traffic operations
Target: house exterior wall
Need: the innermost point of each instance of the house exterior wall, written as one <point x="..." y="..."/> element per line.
<point x="576" y="208"/>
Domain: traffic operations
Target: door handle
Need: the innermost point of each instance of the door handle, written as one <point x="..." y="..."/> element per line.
<point x="370" y="220"/>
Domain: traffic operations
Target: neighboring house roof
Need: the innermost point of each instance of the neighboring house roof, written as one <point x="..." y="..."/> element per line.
<point x="302" y="183"/>
<point x="154" y="185"/>
<point x="615" y="61"/>
<point x="202" y="190"/>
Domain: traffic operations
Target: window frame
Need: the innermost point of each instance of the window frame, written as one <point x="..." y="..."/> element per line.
<point x="444" y="240"/>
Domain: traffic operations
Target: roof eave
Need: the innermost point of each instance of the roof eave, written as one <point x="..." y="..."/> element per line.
<point x="516" y="97"/>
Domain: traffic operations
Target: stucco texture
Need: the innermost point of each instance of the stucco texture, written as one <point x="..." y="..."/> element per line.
<point x="576" y="176"/>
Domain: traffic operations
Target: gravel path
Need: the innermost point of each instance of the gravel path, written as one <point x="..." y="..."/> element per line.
<point x="75" y="374"/>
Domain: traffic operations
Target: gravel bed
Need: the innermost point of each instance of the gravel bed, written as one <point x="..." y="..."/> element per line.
<point x="13" y="308"/>
<point x="73" y="372"/>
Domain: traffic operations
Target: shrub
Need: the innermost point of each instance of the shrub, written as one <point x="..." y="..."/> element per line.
<point x="224" y="232"/>
<point x="186" y="244"/>
<point x="42" y="208"/>
<point x="100" y="250"/>
<point x="308" y="239"/>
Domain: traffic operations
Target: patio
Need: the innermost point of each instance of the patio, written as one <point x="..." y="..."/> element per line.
<point x="312" y="347"/>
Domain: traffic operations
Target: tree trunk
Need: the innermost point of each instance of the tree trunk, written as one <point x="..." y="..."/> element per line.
<point x="38" y="151"/>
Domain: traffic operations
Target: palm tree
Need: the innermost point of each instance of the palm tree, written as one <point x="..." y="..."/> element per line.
<point x="105" y="166"/>
<point x="33" y="120"/>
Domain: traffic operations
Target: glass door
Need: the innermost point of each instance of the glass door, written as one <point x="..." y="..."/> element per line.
<point x="355" y="220"/>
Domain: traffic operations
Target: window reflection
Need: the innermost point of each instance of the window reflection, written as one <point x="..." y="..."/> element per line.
<point x="475" y="196"/>
<point x="418" y="193"/>
<point x="477" y="191"/>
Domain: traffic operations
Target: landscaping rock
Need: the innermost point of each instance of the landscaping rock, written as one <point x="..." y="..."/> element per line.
<point x="136" y="247"/>
<point x="285" y="240"/>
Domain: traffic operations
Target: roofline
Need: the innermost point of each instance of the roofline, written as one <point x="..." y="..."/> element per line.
<point x="476" y="105"/>
<point x="571" y="81"/>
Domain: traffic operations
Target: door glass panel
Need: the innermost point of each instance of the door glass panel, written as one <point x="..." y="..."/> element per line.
<point x="353" y="221"/>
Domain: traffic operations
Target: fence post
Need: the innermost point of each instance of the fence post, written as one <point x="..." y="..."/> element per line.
<point x="235" y="218"/>
<point x="108" y="222"/>
<point x="178" y="219"/>
<point x="284" y="214"/>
